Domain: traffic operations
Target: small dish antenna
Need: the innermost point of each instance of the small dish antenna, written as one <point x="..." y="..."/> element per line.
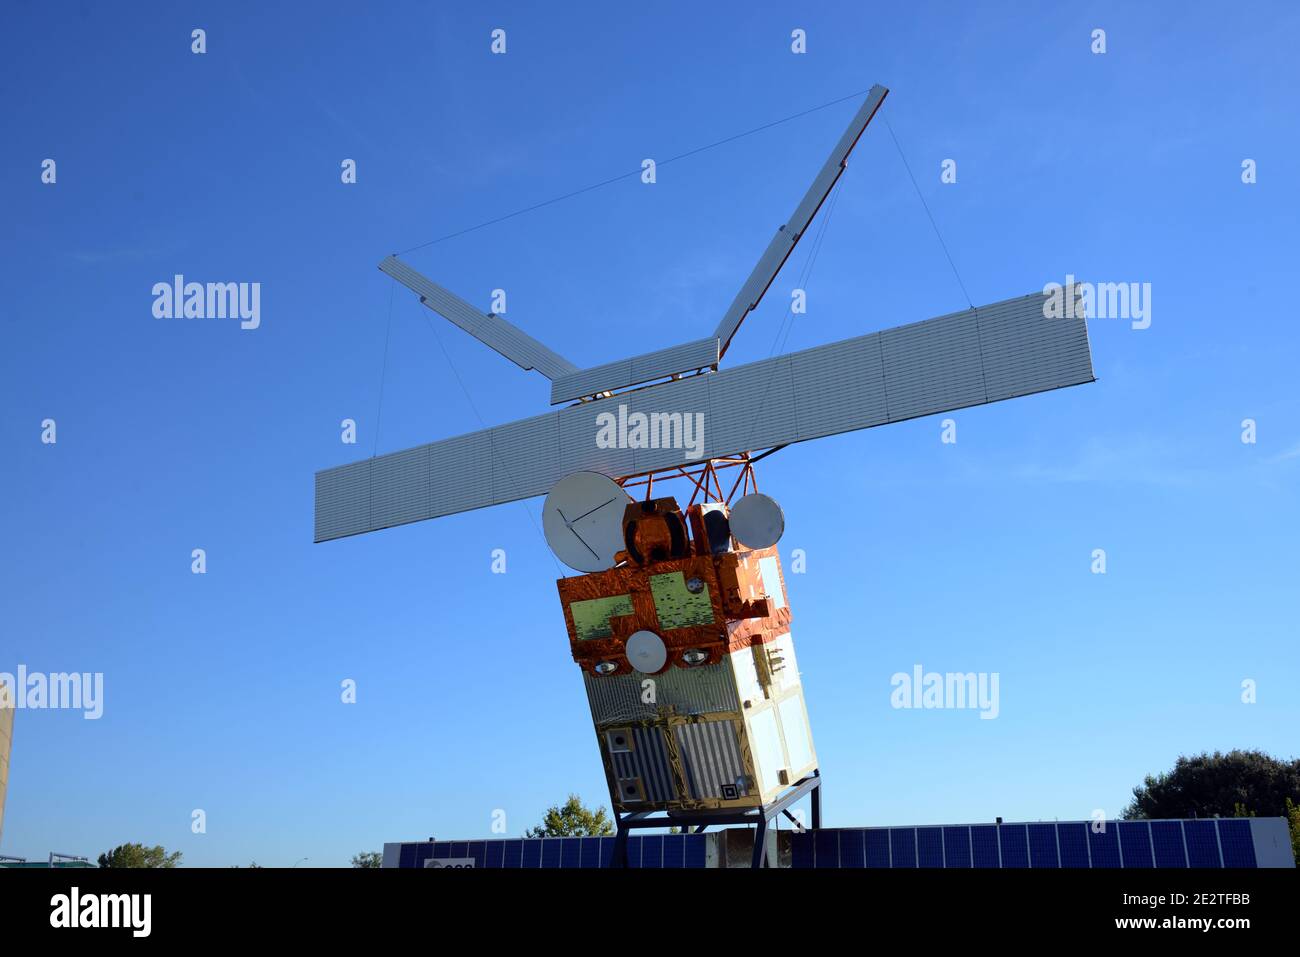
<point x="757" y="521"/>
<point x="646" y="652"/>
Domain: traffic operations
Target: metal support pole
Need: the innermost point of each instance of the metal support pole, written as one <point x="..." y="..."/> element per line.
<point x="760" y="843"/>
<point x="817" y="800"/>
<point x="697" y="821"/>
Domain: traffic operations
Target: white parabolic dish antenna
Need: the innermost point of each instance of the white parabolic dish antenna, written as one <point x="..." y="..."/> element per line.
<point x="646" y="652"/>
<point x="757" y="521"/>
<point x="583" y="520"/>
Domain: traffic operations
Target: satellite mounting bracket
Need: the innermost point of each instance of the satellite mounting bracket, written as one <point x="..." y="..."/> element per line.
<point x="760" y="818"/>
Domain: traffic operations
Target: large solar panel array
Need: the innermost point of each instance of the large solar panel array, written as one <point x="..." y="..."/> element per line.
<point x="643" y="850"/>
<point x="967" y="358"/>
<point x="1206" y="843"/>
<point x="1129" y="844"/>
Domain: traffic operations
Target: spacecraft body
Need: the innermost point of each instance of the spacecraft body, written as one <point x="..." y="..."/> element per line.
<point x="689" y="665"/>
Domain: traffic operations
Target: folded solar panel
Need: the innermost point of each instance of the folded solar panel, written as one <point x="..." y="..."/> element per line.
<point x="687" y="357"/>
<point x="490" y="329"/>
<point x="968" y="358"/>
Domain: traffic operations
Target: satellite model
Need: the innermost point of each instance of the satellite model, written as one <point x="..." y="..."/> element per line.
<point x="680" y="622"/>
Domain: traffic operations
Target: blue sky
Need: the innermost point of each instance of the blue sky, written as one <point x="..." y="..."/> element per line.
<point x="222" y="690"/>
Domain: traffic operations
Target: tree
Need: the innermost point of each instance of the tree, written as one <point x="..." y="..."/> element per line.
<point x="1293" y="821"/>
<point x="572" y="819"/>
<point x="1207" y="785"/>
<point x="368" y="859"/>
<point x="137" y="855"/>
<point x="1236" y="784"/>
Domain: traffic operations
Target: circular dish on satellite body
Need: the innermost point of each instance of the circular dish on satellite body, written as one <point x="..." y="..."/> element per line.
<point x="757" y="521"/>
<point x="646" y="652"/>
<point x="583" y="520"/>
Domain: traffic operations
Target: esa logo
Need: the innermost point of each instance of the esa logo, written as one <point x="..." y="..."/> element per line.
<point x="450" y="862"/>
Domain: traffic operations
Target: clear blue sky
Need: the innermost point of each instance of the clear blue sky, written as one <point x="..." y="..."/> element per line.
<point x="222" y="691"/>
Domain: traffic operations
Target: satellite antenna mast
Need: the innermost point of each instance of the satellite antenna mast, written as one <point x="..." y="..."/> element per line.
<point x="680" y="621"/>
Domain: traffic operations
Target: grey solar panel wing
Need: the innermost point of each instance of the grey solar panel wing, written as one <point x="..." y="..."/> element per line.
<point x="513" y="343"/>
<point x="967" y="358"/>
<point x="783" y="243"/>
<point x="687" y="357"/>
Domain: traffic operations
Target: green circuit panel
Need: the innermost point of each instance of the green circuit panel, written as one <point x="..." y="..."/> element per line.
<point x="591" y="617"/>
<point x="676" y="605"/>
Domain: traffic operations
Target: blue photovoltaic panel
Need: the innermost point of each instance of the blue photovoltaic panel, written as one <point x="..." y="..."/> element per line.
<point x="551" y="851"/>
<point x="1202" y="844"/>
<point x="878" y="848"/>
<point x="801" y="849"/>
<point x="1167" y="842"/>
<point x="1237" y="843"/>
<point x="634" y="851"/>
<point x="902" y="846"/>
<point x="652" y="850"/>
<point x="514" y="854"/>
<point x="1135" y="843"/>
<point x="1042" y="846"/>
<point x="1073" y="844"/>
<point x="1015" y="845"/>
<point x="696" y="851"/>
<point x="1104" y="847"/>
<point x="956" y="847"/>
<point x="827" y="847"/>
<point x="984" y="845"/>
<point x="571" y="852"/>
<point x="1073" y="839"/>
<point x="853" y="848"/>
<point x="929" y="846"/>
<point x="533" y="853"/>
<point x="675" y="850"/>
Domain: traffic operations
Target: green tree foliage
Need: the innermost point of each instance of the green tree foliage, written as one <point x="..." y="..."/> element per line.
<point x="137" y="855"/>
<point x="1209" y="785"/>
<point x="572" y="819"/>
<point x="1236" y="784"/>
<point x="368" y="859"/>
<point x="1293" y="819"/>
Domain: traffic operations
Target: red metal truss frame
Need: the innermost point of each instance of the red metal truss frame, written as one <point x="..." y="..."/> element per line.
<point x="704" y="477"/>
